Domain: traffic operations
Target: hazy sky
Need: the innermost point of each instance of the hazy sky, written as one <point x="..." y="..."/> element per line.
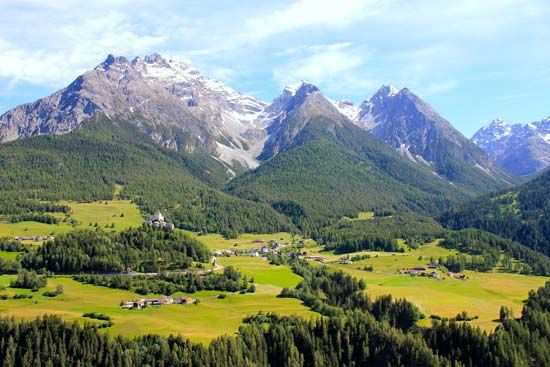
<point x="473" y="60"/>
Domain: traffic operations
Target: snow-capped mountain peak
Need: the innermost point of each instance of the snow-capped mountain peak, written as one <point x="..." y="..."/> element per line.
<point x="388" y="90"/>
<point x="292" y="89"/>
<point x="495" y="130"/>
<point x="169" y="69"/>
<point x="521" y="149"/>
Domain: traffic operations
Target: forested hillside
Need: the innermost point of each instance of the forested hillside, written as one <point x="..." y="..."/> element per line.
<point x="86" y="164"/>
<point x="331" y="170"/>
<point x="521" y="214"/>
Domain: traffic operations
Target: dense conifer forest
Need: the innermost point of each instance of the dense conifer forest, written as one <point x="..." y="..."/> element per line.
<point x="91" y="161"/>
<point x="325" y="175"/>
<point x="104" y="252"/>
<point x="520" y="214"/>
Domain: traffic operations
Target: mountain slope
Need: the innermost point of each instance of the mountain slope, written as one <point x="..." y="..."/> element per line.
<point x="521" y="149"/>
<point x="418" y="132"/>
<point x="328" y="167"/>
<point x="181" y="109"/>
<point x="520" y="214"/>
<point x="87" y="163"/>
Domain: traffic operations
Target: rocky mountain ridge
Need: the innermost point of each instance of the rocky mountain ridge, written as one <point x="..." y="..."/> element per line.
<point x="523" y="149"/>
<point x="181" y="109"/>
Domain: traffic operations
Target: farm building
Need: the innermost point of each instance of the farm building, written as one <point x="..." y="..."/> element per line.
<point x="165" y="300"/>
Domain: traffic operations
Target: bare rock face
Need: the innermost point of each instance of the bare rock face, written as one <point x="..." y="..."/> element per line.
<point x="167" y="98"/>
<point x="291" y="112"/>
<point x="521" y="149"/>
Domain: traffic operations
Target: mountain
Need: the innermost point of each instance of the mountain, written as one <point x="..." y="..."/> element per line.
<point x="407" y="123"/>
<point x="180" y="109"/>
<point x="87" y="164"/>
<point x="521" y="149"/>
<point x="291" y="112"/>
<point x="177" y="106"/>
<point x="319" y="166"/>
<point x="520" y="214"/>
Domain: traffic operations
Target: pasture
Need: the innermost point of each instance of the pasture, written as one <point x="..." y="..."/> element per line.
<point x="212" y="317"/>
<point x="112" y="215"/>
<point x="481" y="295"/>
<point x="244" y="241"/>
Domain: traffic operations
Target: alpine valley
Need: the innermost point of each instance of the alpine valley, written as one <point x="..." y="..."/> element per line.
<point x="151" y="216"/>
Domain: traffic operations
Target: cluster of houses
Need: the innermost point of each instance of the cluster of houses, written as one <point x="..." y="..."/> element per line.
<point x="271" y="247"/>
<point x="422" y="271"/>
<point x="431" y="272"/>
<point x="156" y="220"/>
<point x="165" y="300"/>
<point x="224" y="252"/>
<point x="34" y="238"/>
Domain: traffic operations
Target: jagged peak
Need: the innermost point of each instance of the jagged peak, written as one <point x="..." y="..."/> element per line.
<point x="112" y="60"/>
<point x="165" y="67"/>
<point x="302" y="87"/>
<point x="498" y="122"/>
<point x="155" y="58"/>
<point x="388" y="90"/>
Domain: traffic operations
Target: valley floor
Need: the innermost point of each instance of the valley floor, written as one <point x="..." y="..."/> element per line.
<point x="482" y="294"/>
<point x="211" y="318"/>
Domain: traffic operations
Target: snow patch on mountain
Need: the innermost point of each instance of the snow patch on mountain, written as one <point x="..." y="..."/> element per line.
<point x="521" y="149"/>
<point x="347" y="108"/>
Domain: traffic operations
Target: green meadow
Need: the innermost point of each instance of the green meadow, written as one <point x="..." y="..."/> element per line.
<point x="244" y="241"/>
<point x="212" y="317"/>
<point x="8" y="255"/>
<point x="110" y="215"/>
<point x="272" y="276"/>
<point x="481" y="295"/>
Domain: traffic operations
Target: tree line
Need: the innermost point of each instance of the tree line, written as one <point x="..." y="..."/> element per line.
<point x="168" y="283"/>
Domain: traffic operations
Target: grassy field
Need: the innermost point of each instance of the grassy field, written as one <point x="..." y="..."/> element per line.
<point x="104" y="213"/>
<point x="32" y="229"/>
<point x="122" y="213"/>
<point x="243" y="242"/>
<point x="211" y="318"/>
<point x="482" y="294"/>
<point x="361" y="216"/>
<point x="272" y="278"/>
